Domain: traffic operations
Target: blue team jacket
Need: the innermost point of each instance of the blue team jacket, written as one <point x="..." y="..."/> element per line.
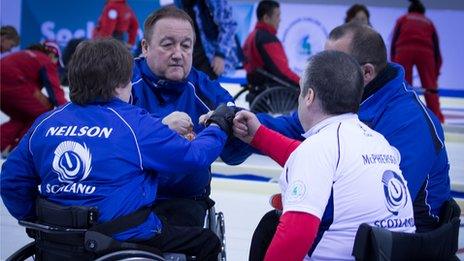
<point x="195" y="96"/>
<point x="396" y="112"/>
<point x="109" y="155"/>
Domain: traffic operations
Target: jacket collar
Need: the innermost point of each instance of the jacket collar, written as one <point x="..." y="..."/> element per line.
<point x="385" y="91"/>
<point x="156" y="82"/>
<point x="266" y="27"/>
<point x="329" y="121"/>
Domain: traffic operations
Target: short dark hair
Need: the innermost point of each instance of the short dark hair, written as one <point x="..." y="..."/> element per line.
<point x="9" y="32"/>
<point x="266" y="7"/>
<point x="353" y="10"/>
<point x="97" y="68"/>
<point x="416" y="6"/>
<point x="40" y="47"/>
<point x="367" y="45"/>
<point x="165" y="12"/>
<point x="337" y="81"/>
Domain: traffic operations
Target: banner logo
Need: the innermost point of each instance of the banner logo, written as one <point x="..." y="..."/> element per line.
<point x="303" y="38"/>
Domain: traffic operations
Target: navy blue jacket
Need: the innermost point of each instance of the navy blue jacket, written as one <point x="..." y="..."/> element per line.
<point x="108" y="155"/>
<point x="195" y="96"/>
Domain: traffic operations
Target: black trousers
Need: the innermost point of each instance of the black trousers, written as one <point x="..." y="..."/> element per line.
<point x="263" y="235"/>
<point x="191" y="241"/>
<point x="183" y="211"/>
<point x="183" y="231"/>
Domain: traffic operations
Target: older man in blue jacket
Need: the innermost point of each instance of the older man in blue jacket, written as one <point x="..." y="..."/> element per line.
<point x="165" y="84"/>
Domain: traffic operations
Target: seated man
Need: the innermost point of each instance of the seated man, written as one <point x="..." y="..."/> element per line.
<point x="165" y="82"/>
<point x="263" y="50"/>
<point x="390" y="107"/>
<point x="100" y="151"/>
<point x="342" y="175"/>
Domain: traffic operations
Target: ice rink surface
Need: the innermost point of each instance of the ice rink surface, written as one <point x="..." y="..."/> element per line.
<point x="244" y="202"/>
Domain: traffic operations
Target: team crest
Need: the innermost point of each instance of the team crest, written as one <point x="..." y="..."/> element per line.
<point x="396" y="194"/>
<point x="72" y="162"/>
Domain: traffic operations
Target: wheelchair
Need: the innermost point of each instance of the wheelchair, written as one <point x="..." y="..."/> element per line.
<point x="277" y="98"/>
<point x="72" y="233"/>
<point x="379" y="244"/>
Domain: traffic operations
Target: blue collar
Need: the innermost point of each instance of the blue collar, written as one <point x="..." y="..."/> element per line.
<point x="156" y="82"/>
<point x="373" y="105"/>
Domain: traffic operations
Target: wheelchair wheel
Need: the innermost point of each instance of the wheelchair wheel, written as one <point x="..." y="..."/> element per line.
<point x="27" y="251"/>
<point x="133" y="255"/>
<point x="276" y="101"/>
<point x="222" y="235"/>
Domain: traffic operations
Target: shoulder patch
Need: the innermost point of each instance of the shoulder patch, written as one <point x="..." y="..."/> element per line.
<point x="296" y="191"/>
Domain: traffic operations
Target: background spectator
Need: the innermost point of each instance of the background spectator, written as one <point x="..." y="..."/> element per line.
<point x="22" y="78"/>
<point x="9" y="39"/>
<point x="415" y="42"/>
<point x="358" y="13"/>
<point x="116" y="20"/>
<point x="216" y="49"/>
<point x="67" y="55"/>
<point x="263" y="50"/>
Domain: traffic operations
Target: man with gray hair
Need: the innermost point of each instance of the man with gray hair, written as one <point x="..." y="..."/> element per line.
<point x="324" y="174"/>
<point x="392" y="108"/>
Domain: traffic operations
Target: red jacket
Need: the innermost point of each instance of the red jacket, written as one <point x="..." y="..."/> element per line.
<point x="117" y="17"/>
<point x="21" y="71"/>
<point x="414" y="31"/>
<point x="262" y="49"/>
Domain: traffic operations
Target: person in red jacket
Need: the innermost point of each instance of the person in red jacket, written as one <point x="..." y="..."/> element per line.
<point x="23" y="75"/>
<point x="263" y="50"/>
<point x="116" y="20"/>
<point x="415" y="42"/>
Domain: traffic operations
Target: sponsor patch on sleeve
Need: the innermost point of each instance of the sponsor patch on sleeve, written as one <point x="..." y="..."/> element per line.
<point x="296" y="191"/>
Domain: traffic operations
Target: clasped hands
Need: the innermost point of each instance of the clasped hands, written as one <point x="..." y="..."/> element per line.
<point x="232" y="120"/>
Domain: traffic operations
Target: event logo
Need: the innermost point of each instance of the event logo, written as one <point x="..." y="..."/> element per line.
<point x="396" y="194"/>
<point x="72" y="162"/>
<point x="296" y="191"/>
<point x="303" y="38"/>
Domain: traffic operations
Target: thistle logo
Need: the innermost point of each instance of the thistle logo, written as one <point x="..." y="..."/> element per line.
<point x="72" y="162"/>
<point x="396" y="194"/>
<point x="305" y="46"/>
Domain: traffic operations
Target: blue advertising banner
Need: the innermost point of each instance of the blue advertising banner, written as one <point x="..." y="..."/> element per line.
<point x="62" y="21"/>
<point x="303" y="29"/>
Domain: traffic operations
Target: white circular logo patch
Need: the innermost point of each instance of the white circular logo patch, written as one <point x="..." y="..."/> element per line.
<point x="296" y="191"/>
<point x="72" y="162"/>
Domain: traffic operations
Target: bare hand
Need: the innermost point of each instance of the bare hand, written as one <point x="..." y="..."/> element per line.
<point x="179" y="122"/>
<point x="218" y="65"/>
<point x="245" y="125"/>
<point x="203" y="118"/>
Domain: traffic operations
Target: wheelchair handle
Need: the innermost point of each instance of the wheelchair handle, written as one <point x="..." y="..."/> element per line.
<point x="50" y="229"/>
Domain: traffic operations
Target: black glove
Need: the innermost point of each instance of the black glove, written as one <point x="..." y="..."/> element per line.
<point x="223" y="117"/>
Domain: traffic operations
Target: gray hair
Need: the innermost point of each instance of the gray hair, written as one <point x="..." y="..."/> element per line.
<point x="337" y="81"/>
